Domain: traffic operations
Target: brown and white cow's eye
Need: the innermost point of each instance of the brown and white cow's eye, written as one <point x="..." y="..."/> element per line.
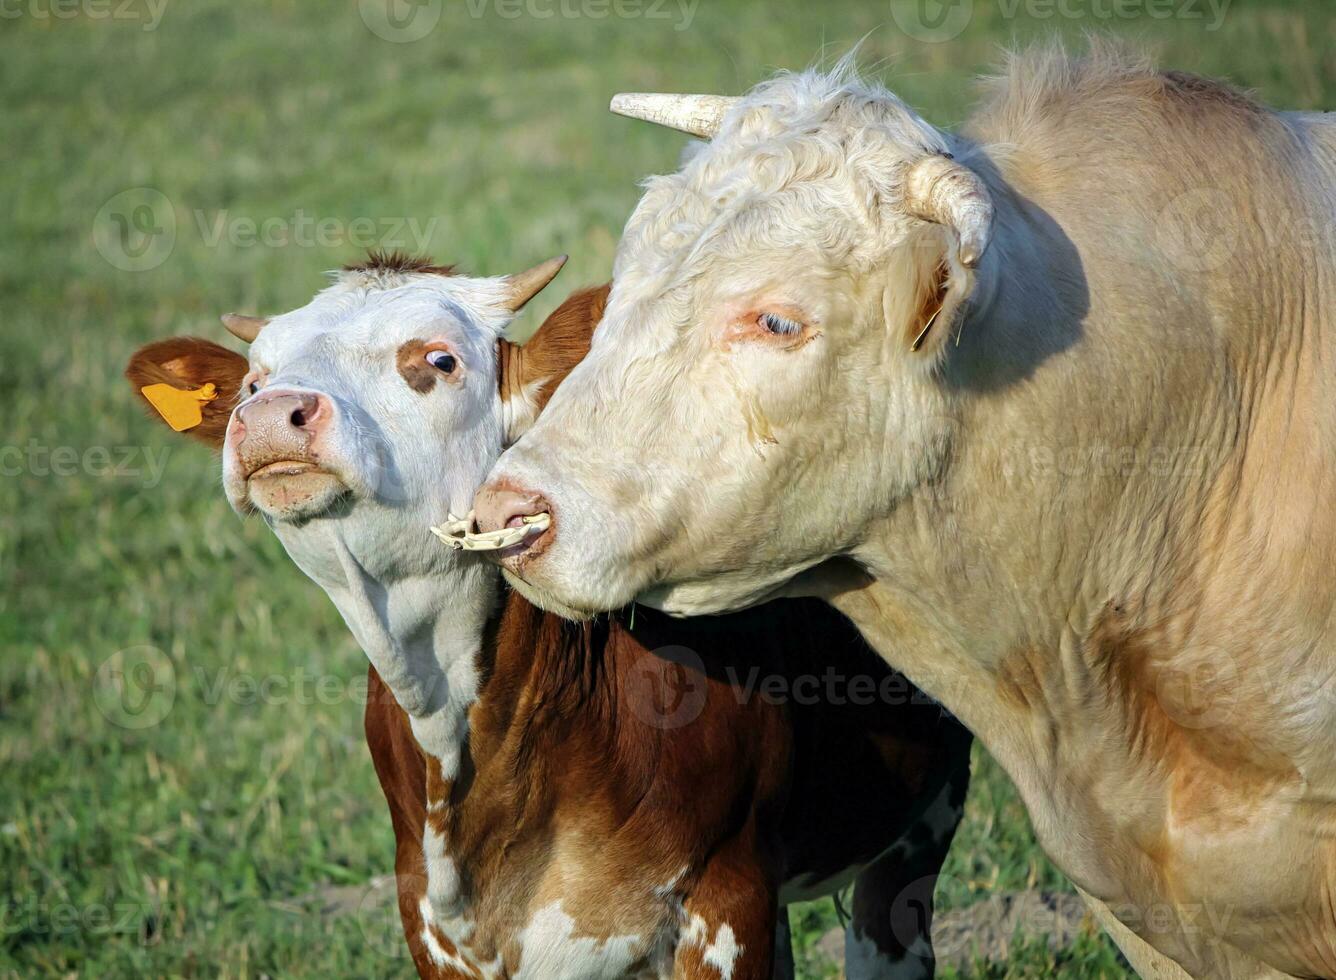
<point x="441" y="360"/>
<point x="780" y="326"/>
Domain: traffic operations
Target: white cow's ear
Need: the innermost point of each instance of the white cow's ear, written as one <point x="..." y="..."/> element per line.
<point x="926" y="314"/>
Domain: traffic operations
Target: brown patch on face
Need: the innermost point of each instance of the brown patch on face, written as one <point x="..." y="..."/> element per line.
<point x="411" y="361"/>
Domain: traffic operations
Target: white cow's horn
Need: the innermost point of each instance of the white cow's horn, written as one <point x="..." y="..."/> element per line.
<point x="939" y="190"/>
<point x="524" y="286"/>
<point x="244" y="327"/>
<point x="699" y="115"/>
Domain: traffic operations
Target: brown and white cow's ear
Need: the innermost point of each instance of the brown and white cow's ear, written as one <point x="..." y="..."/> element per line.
<point x="189" y="384"/>
<point x="529" y="373"/>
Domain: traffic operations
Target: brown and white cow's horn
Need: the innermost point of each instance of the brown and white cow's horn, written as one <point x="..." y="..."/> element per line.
<point x="524" y="286"/>
<point x="699" y="115"/>
<point x="939" y="190"/>
<point x="244" y="327"/>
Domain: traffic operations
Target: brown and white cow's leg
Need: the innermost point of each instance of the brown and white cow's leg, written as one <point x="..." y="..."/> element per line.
<point x="729" y="926"/>
<point x="402" y="772"/>
<point x="889" y="936"/>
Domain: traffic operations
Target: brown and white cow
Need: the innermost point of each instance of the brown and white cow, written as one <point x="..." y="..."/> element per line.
<point x="1058" y="391"/>
<point x="598" y="800"/>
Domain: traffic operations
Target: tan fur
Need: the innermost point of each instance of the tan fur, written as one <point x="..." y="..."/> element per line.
<point x="1097" y="528"/>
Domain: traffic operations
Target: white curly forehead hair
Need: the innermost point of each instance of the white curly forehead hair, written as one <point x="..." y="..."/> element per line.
<point x="784" y="159"/>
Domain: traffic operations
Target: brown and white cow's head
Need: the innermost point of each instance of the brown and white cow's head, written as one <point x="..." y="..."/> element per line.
<point x="765" y="382"/>
<point x="354" y="424"/>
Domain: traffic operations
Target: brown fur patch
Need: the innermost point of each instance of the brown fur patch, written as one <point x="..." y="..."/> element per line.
<point x="1205" y="93"/>
<point x="1188" y="721"/>
<point x="191" y="362"/>
<point x="400" y="262"/>
<point x="531" y="372"/>
<point x="410" y="360"/>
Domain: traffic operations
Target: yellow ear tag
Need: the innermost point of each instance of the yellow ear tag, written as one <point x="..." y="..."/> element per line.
<point x="180" y="408"/>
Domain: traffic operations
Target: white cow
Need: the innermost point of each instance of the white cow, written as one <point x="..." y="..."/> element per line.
<point x="1065" y="460"/>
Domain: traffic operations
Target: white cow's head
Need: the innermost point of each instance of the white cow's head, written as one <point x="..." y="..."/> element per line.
<point x="765" y="382"/>
<point x="361" y="418"/>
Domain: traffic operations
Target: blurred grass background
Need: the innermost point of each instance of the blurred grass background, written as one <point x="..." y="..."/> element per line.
<point x="184" y="831"/>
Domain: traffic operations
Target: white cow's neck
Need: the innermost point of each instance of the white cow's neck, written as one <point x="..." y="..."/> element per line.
<point x="417" y="609"/>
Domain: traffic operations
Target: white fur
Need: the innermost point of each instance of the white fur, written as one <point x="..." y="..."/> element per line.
<point x="550" y="950"/>
<point x="417" y="609"/>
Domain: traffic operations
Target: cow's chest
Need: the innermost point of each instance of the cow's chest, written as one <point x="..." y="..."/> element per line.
<point x="550" y="943"/>
<point x="1212" y="854"/>
<point x="528" y="909"/>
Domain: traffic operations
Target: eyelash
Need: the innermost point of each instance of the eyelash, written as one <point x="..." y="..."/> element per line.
<point x="780" y="326"/>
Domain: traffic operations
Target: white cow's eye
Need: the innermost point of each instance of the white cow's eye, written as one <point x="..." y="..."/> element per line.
<point x="441" y="360"/>
<point x="781" y="326"/>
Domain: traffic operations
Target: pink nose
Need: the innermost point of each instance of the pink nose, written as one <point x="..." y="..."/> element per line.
<point x="500" y="504"/>
<point x="280" y="425"/>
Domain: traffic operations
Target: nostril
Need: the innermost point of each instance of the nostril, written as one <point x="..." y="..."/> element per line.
<point x="305" y="413"/>
<point x="503" y="506"/>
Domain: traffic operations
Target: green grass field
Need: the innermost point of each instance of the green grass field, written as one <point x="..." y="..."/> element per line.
<point x="166" y="161"/>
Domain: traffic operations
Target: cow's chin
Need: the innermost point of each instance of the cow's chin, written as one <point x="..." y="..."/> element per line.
<point x="293" y="491"/>
<point x="575" y="595"/>
<point x="711" y="597"/>
<point x="546" y="600"/>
